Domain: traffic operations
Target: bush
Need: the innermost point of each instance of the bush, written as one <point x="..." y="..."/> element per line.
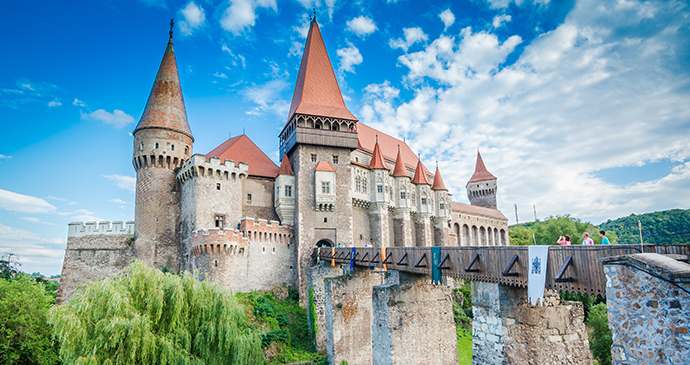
<point x="24" y="334"/>
<point x="601" y="338"/>
<point x="149" y="317"/>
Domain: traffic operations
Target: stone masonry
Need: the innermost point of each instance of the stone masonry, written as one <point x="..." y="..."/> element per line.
<point x="506" y="329"/>
<point x="648" y="303"/>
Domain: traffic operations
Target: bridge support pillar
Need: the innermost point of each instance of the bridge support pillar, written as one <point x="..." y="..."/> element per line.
<point x="317" y="274"/>
<point x="506" y="329"/>
<point x="413" y="322"/>
<point x="648" y="303"/>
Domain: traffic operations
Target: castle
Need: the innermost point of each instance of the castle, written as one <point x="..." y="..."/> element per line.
<point x="249" y="224"/>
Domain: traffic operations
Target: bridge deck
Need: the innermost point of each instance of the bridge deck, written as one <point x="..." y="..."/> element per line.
<point x="570" y="268"/>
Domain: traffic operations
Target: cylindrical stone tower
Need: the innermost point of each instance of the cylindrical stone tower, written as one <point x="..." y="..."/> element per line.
<point x="162" y="142"/>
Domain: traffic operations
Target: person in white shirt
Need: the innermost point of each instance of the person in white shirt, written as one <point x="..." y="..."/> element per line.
<point x="586" y="240"/>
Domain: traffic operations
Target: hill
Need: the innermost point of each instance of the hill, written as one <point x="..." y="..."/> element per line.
<point x="666" y="227"/>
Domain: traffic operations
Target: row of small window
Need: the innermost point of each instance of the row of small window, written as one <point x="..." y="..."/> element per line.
<point x="335" y="159"/>
<point x="172" y="147"/>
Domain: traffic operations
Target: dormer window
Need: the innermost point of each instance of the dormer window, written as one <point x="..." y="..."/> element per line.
<point x="288" y="190"/>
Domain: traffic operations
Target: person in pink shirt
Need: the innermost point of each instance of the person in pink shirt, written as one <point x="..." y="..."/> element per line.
<point x="563" y="240"/>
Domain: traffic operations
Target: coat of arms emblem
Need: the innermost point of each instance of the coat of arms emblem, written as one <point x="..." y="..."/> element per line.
<point x="536" y="266"/>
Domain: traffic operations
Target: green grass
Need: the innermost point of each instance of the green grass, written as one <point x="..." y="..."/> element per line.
<point x="465" y="350"/>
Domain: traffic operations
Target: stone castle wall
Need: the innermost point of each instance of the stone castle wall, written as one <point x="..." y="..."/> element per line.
<point x="261" y="205"/>
<point x="94" y="251"/>
<point x="464" y="224"/>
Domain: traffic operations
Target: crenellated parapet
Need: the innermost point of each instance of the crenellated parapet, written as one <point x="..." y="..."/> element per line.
<point x="231" y="242"/>
<point x="80" y="229"/>
<point x="199" y="166"/>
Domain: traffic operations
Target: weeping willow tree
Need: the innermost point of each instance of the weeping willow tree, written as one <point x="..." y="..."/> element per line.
<point x="149" y="317"/>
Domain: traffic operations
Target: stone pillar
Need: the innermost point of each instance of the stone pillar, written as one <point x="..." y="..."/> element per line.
<point x="378" y="220"/>
<point x="648" y="303"/>
<point x="317" y="274"/>
<point x="402" y="229"/>
<point x="348" y="315"/>
<point x="506" y="329"/>
<point x="423" y="232"/>
<point x="413" y="323"/>
<point x="440" y="231"/>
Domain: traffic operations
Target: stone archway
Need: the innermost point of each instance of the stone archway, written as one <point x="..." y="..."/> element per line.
<point x="324" y="243"/>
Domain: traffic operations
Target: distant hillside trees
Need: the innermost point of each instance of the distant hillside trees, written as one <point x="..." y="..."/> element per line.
<point x="547" y="232"/>
<point x="149" y="317"/>
<point x="666" y="227"/>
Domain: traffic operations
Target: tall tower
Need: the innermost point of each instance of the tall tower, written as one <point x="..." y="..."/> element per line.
<point x="482" y="188"/>
<point x="162" y="142"/>
<point x="318" y="138"/>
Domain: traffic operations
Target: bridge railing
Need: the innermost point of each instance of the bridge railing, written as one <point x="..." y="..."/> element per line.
<point x="570" y="268"/>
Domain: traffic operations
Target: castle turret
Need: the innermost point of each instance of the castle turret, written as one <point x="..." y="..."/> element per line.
<point x="380" y="197"/>
<point x="482" y="188"/>
<point x="442" y="206"/>
<point x="402" y="202"/>
<point x="284" y="195"/>
<point x="162" y="142"/>
<point x="424" y="204"/>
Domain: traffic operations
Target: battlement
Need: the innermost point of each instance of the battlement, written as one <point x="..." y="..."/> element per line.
<point x="199" y="166"/>
<point x="215" y="240"/>
<point x="80" y="229"/>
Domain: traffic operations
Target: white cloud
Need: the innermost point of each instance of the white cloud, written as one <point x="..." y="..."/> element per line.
<point x="412" y="36"/>
<point x="54" y="103"/>
<point x="33" y="252"/>
<point x="220" y="75"/>
<point x="4" y="157"/>
<point x="123" y="182"/>
<point x="117" y="118"/>
<point x="267" y="98"/>
<point x="447" y="17"/>
<point x="119" y="201"/>
<point x="236" y="59"/>
<point x="81" y="215"/>
<point x="587" y="96"/>
<point x="362" y="26"/>
<point x="27" y="92"/>
<point x="36" y="220"/>
<point x="78" y="103"/>
<point x="21" y="203"/>
<point x="349" y="57"/>
<point x="194" y="18"/>
<point x="241" y="14"/>
<point x="499" y="20"/>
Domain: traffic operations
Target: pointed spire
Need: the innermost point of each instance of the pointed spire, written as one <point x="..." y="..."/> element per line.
<point x="438" y="180"/>
<point x="480" y="171"/>
<point x="165" y="107"/>
<point x="285" y="168"/>
<point x="419" y="175"/>
<point x="399" y="170"/>
<point x="377" y="161"/>
<point x="316" y="90"/>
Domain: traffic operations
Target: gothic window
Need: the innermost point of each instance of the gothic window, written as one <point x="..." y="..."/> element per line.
<point x="402" y="195"/>
<point x="325" y="187"/>
<point x="288" y="190"/>
<point x="423" y="201"/>
<point x="358" y="184"/>
<point x="443" y="206"/>
<point x="313" y="157"/>
<point x="219" y="221"/>
<point x="379" y="188"/>
<point x="365" y="185"/>
<point x="172" y="147"/>
<point x="335" y="160"/>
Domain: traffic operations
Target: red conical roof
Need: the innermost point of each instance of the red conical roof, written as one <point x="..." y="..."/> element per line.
<point x="317" y="91"/>
<point x="324" y="166"/>
<point x="480" y="171"/>
<point x="377" y="161"/>
<point x="400" y="170"/>
<point x="242" y="149"/>
<point x="419" y="175"/>
<point x="165" y="107"/>
<point x="438" y="181"/>
<point x="285" y="168"/>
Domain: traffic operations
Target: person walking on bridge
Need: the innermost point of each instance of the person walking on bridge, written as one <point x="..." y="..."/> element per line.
<point x="604" y="239"/>
<point x="564" y="241"/>
<point x="586" y="240"/>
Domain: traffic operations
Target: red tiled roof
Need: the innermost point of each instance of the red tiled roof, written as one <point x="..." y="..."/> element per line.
<point x="400" y="170"/>
<point x="419" y="175"/>
<point x="324" y="166"/>
<point x="165" y="106"/>
<point x="477" y="210"/>
<point x="388" y="144"/>
<point x="242" y="149"/>
<point x="359" y="164"/>
<point x="285" y="168"/>
<point x="317" y="91"/>
<point x="480" y="171"/>
<point x="438" y="181"/>
<point x="377" y="161"/>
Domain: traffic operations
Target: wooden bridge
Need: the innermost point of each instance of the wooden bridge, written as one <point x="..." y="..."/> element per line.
<point x="570" y="268"/>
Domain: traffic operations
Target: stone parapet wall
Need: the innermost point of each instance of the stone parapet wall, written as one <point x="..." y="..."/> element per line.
<point x="80" y="229"/>
<point x="648" y="303"/>
<point x="506" y="329"/>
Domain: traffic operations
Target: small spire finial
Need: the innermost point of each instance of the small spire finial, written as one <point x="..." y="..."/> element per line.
<point x="437" y="164"/>
<point x="314" y="10"/>
<point x="377" y="139"/>
<point x="172" y="23"/>
<point x="398" y="147"/>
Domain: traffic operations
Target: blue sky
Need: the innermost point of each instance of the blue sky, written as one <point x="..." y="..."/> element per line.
<point x="578" y="107"/>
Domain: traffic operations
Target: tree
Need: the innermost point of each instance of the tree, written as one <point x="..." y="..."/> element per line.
<point x="25" y="336"/>
<point x="548" y="231"/>
<point x="601" y="338"/>
<point x="8" y="266"/>
<point x="149" y="317"/>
